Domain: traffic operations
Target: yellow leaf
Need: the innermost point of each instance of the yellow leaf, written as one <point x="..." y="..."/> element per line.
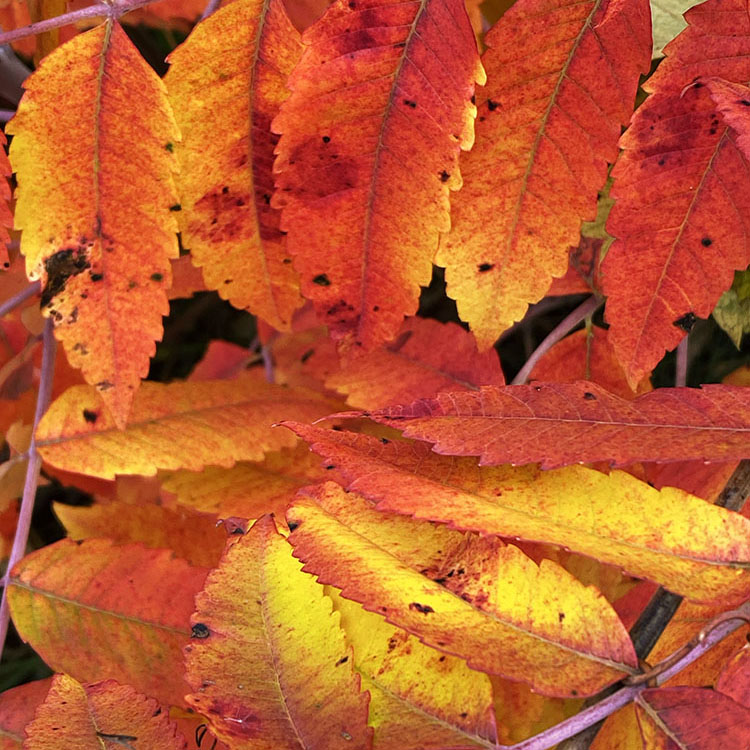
<point x="182" y="425"/>
<point x="268" y="663"/>
<point x="234" y="66"/>
<point x="92" y="150"/>
<point x="530" y="623"/>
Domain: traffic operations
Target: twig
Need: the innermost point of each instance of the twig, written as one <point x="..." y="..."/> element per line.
<point x="113" y="10"/>
<point x="6" y="114"/>
<point x="268" y="368"/>
<point x="681" y="363"/>
<point x="563" y="328"/>
<point x="18" y="299"/>
<point x="32" y="473"/>
<point x="211" y="8"/>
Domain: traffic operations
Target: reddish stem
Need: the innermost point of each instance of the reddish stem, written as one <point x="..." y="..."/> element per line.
<point x="32" y="472"/>
<point x="681" y="363"/>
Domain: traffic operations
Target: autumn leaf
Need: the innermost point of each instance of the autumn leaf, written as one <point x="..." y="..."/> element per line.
<point x="420" y="698"/>
<point x="370" y="139"/>
<point x="6" y="217"/>
<point x="734" y="679"/>
<point x="694" y="548"/>
<point x="97" y="611"/>
<point x="686" y="716"/>
<point x="426" y="358"/>
<point x="562" y="78"/>
<point x="559" y="423"/>
<point x="17" y="708"/>
<point x="94" y="213"/>
<point x="268" y="663"/>
<point x="235" y="63"/>
<point x="181" y="425"/>
<point x="732" y="311"/>
<point x="667" y="21"/>
<point x="527" y="622"/>
<point x="105" y="714"/>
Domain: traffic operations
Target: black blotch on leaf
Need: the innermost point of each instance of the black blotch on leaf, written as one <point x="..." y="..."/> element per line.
<point x="199" y="630"/>
<point x="560" y="616"/>
<point x="425" y="609"/>
<point x="588" y="396"/>
<point x="293" y="525"/>
<point x="326" y="139"/>
<point x="484" y="267"/>
<point x="342" y="660"/>
<point x="330" y="466"/>
<point x="744" y="102"/>
<point x="686" y="322"/>
<point x="444" y="176"/>
<point x="97" y="276"/>
<point x="707" y="242"/>
<point x="307" y="355"/>
<point x="492" y="106"/>
<point x="169" y="146"/>
<point x="90" y="416"/>
<point x="156" y="277"/>
<point x="60" y="267"/>
<point x="384" y="441"/>
<point x="322" y="280"/>
<point x="410" y="103"/>
<point x="175" y="207"/>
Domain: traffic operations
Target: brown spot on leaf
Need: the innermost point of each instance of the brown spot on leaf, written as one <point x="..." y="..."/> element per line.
<point x="484" y="267"/>
<point x="96" y="276"/>
<point x="707" y="242"/>
<point x="410" y="103"/>
<point x="156" y="277"/>
<point x="686" y="322"/>
<point x="444" y="176"/>
<point x="199" y="630"/>
<point x="60" y="267"/>
<point x="90" y="416"/>
<point x="492" y="106"/>
<point x="322" y="280"/>
<point x="425" y="609"/>
<point x="588" y="396"/>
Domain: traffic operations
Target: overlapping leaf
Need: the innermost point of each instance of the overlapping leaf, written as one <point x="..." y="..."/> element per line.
<point x="672" y="718"/>
<point x="181" y="425"/>
<point x="420" y="699"/>
<point x="17" y="708"/>
<point x="502" y="613"/>
<point x="559" y="423"/>
<point x="268" y="663"/>
<point x="682" y="212"/>
<point x="105" y="714"/>
<point x="235" y="63"/>
<point x="97" y="611"/>
<point x="92" y="150"/>
<point x="370" y="137"/>
<point x="696" y="549"/>
<point x="562" y="78"/>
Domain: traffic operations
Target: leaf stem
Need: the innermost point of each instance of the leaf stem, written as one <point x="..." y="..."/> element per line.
<point x="561" y="330"/>
<point x="21" y="537"/>
<point x="18" y="299"/>
<point x="211" y="8"/>
<point x="681" y="364"/>
<point x="113" y="10"/>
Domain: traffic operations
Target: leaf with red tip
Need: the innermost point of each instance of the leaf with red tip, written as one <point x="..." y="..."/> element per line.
<point x="370" y="138"/>
<point x="694" y="548"/>
<point x="92" y="151"/>
<point x="235" y="62"/>
<point x="97" y="611"/>
<point x="268" y="663"/>
<point x="530" y="623"/>
<point x="180" y="425"/>
<point x="105" y="714"/>
<point x="682" y="717"/>
<point x="562" y="77"/>
<point x="558" y="423"/>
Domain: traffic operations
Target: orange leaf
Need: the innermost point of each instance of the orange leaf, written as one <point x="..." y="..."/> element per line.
<point x="692" y="547"/>
<point x="562" y="77"/>
<point x="426" y="358"/>
<point x="559" y="423"/>
<point x="235" y="63"/>
<point x="17" y="708"/>
<point x="268" y="662"/>
<point x="192" y="536"/>
<point x="97" y="611"/>
<point x="92" y="152"/>
<point x="680" y="717"/>
<point x="105" y="714"/>
<point x="182" y="425"/>
<point x="368" y="154"/>
<point x="531" y="623"/>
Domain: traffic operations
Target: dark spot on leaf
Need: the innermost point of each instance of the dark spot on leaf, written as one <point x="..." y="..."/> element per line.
<point x="744" y="102"/>
<point x="492" y="106"/>
<point x="375" y="308"/>
<point x="560" y="616"/>
<point x="97" y="276"/>
<point x="293" y="525"/>
<point x="199" y="630"/>
<point x="104" y="385"/>
<point x="444" y="176"/>
<point x="326" y="139"/>
<point x="697" y="85"/>
<point x="588" y="396"/>
<point x="463" y="714"/>
<point x="60" y="267"/>
<point x="267" y="199"/>
<point x="423" y="608"/>
<point x="132" y="284"/>
<point x="661" y="161"/>
<point x="175" y="207"/>
<point x="156" y="277"/>
<point x="484" y="267"/>
<point x="707" y="242"/>
<point x="342" y="660"/>
<point x="473" y="99"/>
<point x="90" y="416"/>
<point x="322" y="280"/>
<point x="224" y="190"/>
<point x="286" y="261"/>
<point x="384" y="441"/>
<point x="686" y="322"/>
<point x="330" y="466"/>
<point x="228" y="281"/>
<point x="169" y="146"/>
<point x="410" y="103"/>
<point x="400" y="44"/>
<point x="442" y="658"/>
<point x="307" y="355"/>
<point x="352" y="4"/>
<point x="574" y="692"/>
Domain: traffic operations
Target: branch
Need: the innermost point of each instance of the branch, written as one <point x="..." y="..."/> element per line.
<point x="32" y="473"/>
<point x="560" y="331"/>
<point x="210" y="9"/>
<point x="111" y="10"/>
<point x="17" y="299"/>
